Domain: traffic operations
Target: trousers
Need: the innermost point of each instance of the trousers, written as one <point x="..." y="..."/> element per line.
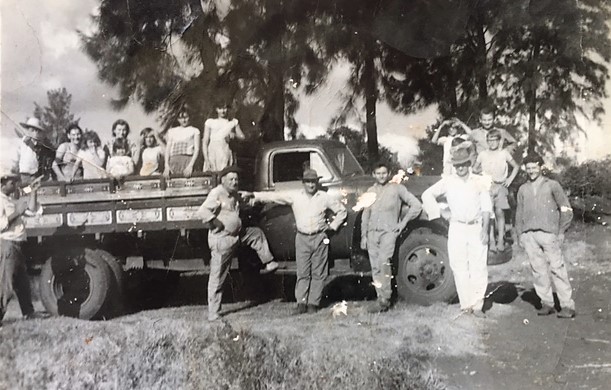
<point x="548" y="268"/>
<point x="14" y="277"/>
<point x="468" y="260"/>
<point x="222" y="251"/>
<point x="381" y="249"/>
<point x="311" y="257"/>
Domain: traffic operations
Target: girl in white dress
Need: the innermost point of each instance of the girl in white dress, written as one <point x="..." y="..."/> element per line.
<point x="65" y="156"/>
<point x="218" y="132"/>
<point x="182" y="147"/>
<point x="91" y="157"/>
<point x="151" y="155"/>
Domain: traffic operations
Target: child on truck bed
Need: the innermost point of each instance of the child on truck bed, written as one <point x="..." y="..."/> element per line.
<point x="151" y="154"/>
<point x="91" y="157"/>
<point x="120" y="164"/>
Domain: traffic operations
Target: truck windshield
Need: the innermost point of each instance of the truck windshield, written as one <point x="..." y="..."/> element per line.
<point x="344" y="161"/>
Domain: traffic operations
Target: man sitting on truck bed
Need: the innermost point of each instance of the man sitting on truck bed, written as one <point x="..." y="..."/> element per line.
<point x="221" y="210"/>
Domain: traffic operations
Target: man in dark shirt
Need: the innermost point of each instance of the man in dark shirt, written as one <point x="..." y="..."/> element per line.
<point x="542" y="216"/>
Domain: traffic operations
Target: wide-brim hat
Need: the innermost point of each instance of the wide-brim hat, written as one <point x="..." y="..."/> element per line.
<point x="32" y="123"/>
<point x="461" y="154"/>
<point x="229" y="169"/>
<point x="310" y="174"/>
<point x="6" y="173"/>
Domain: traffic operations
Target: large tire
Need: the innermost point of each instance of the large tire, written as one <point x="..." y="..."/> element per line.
<point x="115" y="305"/>
<point x="423" y="269"/>
<point x="76" y="283"/>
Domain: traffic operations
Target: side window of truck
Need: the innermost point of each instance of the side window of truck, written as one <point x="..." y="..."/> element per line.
<point x="289" y="166"/>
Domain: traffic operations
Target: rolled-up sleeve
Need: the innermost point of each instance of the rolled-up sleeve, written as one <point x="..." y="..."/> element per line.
<point x="339" y="210"/>
<point x="415" y="207"/>
<point x="274" y="197"/>
<point x="3" y="217"/>
<point x="429" y="199"/>
<point x="210" y="208"/>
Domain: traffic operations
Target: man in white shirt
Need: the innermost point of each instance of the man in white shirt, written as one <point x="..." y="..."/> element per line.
<point x="311" y="243"/>
<point x="221" y="210"/>
<point x="468" y="197"/>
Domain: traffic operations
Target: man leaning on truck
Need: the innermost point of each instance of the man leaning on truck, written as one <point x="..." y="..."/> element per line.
<point x="221" y="210"/>
<point x="381" y="225"/>
<point x="311" y="244"/>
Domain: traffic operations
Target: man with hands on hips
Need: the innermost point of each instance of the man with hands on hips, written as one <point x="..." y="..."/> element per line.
<point x="543" y="215"/>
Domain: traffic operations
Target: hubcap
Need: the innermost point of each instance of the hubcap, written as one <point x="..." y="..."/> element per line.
<point x="425" y="269"/>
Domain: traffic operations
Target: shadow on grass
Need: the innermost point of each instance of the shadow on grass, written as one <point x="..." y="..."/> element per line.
<point x="155" y="289"/>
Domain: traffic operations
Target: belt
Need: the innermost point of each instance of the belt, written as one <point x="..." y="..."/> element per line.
<point x="473" y="222"/>
<point x="313" y="233"/>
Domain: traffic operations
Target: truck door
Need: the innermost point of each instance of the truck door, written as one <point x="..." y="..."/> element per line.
<point x="286" y="168"/>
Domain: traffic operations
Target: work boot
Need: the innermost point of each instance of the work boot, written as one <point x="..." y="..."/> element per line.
<point x="34" y="316"/>
<point x="214" y="317"/>
<point x="312" y="309"/>
<point x="379" y="307"/>
<point x="300" y="309"/>
<point x="269" y="268"/>
<point x="566" y="313"/>
<point x="546" y="310"/>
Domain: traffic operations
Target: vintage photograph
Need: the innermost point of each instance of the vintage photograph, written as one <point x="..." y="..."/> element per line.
<point x="305" y="194"/>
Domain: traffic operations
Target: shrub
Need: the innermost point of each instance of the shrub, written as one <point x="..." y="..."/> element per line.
<point x="592" y="178"/>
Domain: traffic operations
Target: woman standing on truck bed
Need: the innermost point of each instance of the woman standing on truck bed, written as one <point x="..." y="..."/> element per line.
<point x="182" y="147"/>
<point x="218" y="132"/>
<point x="65" y="156"/>
<point x="91" y="157"/>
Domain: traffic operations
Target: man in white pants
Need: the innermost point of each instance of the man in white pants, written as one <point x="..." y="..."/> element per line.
<point x="468" y="197"/>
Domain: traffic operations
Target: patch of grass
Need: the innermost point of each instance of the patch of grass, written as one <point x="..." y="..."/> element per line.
<point x="142" y="353"/>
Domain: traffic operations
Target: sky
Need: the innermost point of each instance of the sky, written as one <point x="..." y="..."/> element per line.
<point x="41" y="51"/>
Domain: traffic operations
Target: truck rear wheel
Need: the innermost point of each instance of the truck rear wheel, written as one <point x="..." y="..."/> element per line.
<point x="76" y="283"/>
<point x="423" y="273"/>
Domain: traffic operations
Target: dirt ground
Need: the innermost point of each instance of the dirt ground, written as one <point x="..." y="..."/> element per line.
<point x="165" y="347"/>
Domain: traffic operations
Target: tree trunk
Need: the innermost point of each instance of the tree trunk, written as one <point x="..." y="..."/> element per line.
<point x="272" y="120"/>
<point x="481" y="71"/>
<point x="371" y="98"/>
<point x="531" y="98"/>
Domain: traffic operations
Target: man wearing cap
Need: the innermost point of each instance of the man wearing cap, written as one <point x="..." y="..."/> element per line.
<point x="221" y="211"/>
<point x="381" y="225"/>
<point x="13" y="273"/>
<point x="543" y="215"/>
<point x="311" y="243"/>
<point x="468" y="198"/>
<point x="34" y="155"/>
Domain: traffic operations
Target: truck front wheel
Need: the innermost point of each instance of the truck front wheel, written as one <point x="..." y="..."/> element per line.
<point x="76" y="282"/>
<point x="423" y="270"/>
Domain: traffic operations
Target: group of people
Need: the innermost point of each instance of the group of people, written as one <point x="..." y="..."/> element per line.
<point x="542" y="216"/>
<point x="543" y="212"/>
<point x="180" y="150"/>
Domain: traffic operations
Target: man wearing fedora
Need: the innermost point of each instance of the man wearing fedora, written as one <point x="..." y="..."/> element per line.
<point x="34" y="154"/>
<point x="309" y="206"/>
<point x="221" y="212"/>
<point x="468" y="198"/>
<point x="381" y="225"/>
<point x="13" y="273"/>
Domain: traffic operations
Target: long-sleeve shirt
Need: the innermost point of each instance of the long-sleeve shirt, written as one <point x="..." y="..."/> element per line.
<point x="467" y="199"/>
<point x="225" y="207"/>
<point x="543" y="205"/>
<point x="14" y="231"/>
<point x="384" y="213"/>
<point x="309" y="211"/>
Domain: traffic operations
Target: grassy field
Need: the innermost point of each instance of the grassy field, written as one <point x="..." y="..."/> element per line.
<point x="260" y="346"/>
